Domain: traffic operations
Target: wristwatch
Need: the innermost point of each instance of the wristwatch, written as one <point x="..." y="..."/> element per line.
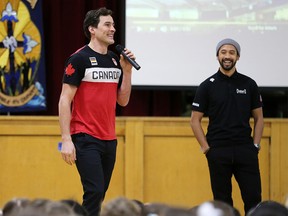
<point x="257" y="146"/>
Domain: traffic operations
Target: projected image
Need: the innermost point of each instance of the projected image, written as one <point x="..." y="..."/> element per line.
<point x="199" y="15"/>
<point x="175" y="40"/>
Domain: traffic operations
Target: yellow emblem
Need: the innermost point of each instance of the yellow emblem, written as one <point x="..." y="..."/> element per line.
<point x="20" y="52"/>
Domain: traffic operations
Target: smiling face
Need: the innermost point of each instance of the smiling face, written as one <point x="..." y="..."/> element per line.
<point x="104" y="32"/>
<point x="227" y="57"/>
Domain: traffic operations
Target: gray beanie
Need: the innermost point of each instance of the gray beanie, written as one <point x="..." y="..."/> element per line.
<point x="228" y="41"/>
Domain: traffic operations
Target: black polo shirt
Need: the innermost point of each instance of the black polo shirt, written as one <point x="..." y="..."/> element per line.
<point x="228" y="102"/>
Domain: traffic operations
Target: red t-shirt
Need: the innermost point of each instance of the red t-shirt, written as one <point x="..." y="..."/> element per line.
<point x="97" y="77"/>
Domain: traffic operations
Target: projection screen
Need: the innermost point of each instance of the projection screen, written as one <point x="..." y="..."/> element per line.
<point x="174" y="40"/>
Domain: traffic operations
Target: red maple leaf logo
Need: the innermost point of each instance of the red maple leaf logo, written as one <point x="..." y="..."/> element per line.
<point x="69" y="70"/>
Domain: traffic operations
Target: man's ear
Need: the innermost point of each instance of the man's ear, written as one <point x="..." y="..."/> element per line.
<point x="90" y="29"/>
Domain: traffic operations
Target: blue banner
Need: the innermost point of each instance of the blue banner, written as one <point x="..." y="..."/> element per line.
<point x="22" y="65"/>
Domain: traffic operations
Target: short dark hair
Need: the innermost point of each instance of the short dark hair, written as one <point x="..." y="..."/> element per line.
<point x="92" y="18"/>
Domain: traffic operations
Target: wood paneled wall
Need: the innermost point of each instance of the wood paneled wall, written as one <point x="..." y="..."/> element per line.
<point x="158" y="160"/>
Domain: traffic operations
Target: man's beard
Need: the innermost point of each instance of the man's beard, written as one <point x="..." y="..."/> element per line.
<point x="227" y="68"/>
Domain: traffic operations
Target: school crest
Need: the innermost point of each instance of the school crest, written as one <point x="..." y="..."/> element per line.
<point x="22" y="71"/>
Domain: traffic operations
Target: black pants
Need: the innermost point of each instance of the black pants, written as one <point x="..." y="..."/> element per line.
<point x="95" y="161"/>
<point x="240" y="161"/>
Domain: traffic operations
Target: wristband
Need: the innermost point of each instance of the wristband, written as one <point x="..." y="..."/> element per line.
<point x="258" y="146"/>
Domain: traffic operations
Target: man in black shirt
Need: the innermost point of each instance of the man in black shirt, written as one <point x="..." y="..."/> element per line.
<point x="229" y="99"/>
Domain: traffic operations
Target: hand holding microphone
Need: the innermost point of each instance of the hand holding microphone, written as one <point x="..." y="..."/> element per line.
<point x="120" y="50"/>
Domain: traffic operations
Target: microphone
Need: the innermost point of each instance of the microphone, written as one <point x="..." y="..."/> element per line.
<point x="120" y="50"/>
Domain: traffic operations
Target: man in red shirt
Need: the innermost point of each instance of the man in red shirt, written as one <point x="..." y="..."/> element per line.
<point x="94" y="80"/>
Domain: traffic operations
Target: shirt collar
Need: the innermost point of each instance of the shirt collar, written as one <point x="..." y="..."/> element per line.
<point x="223" y="76"/>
